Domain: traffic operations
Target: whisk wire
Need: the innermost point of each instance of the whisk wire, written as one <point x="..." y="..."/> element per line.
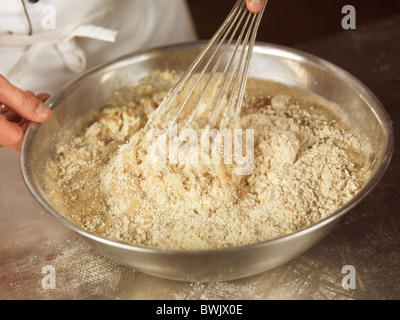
<point x="234" y="75"/>
<point x="247" y="64"/>
<point x="224" y="35"/>
<point x="188" y="73"/>
<point x="237" y="71"/>
<point x="227" y="68"/>
<point x="212" y="73"/>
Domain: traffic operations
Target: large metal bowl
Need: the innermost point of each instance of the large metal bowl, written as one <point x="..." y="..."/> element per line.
<point x="269" y="62"/>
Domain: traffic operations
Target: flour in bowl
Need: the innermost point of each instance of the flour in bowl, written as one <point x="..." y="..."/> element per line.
<point x="307" y="163"/>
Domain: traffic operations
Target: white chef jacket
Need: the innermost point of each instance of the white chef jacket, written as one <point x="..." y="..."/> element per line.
<point x="63" y="38"/>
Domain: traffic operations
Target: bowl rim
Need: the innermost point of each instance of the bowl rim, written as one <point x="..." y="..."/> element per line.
<point x="260" y="47"/>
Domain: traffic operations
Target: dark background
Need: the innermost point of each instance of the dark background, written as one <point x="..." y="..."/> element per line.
<point x="290" y="22"/>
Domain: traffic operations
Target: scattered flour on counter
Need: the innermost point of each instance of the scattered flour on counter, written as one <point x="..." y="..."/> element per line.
<point x="218" y="291"/>
<point x="307" y="164"/>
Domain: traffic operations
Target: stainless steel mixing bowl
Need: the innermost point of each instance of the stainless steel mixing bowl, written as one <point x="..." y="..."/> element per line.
<point x="269" y="62"/>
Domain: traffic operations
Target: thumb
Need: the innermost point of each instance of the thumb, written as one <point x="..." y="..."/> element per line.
<point x="23" y="103"/>
<point x="255" y="6"/>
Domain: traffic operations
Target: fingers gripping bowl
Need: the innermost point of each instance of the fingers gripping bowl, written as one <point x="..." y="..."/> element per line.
<point x="269" y="62"/>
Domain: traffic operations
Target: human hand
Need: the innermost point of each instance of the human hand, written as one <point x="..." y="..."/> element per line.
<point x="255" y="5"/>
<point x="20" y="108"/>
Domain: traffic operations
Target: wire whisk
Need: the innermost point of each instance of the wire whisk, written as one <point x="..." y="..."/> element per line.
<point x="224" y="58"/>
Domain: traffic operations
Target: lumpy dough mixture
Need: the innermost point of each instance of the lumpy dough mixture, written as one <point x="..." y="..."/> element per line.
<point x="307" y="164"/>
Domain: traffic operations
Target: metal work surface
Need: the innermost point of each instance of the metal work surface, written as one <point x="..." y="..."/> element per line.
<point x="32" y="242"/>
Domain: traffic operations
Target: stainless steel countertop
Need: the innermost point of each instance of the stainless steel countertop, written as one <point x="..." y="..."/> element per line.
<point x="367" y="238"/>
